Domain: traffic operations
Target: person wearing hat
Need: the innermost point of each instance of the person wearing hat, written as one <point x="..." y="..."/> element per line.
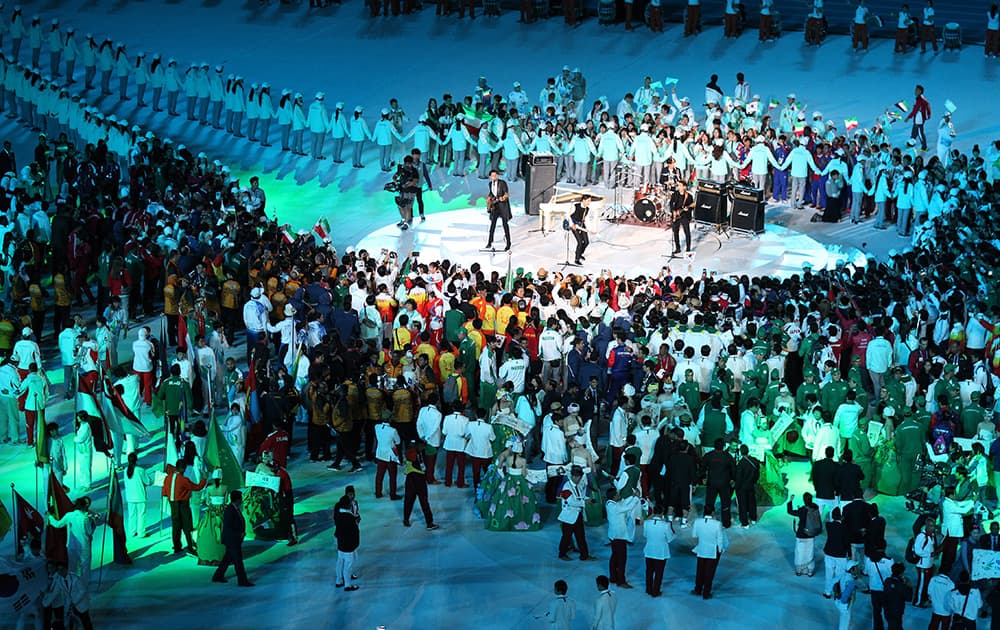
<point x="299" y="124"/>
<point x="498" y="207"/>
<point x="383" y="134"/>
<point x="318" y="121"/>
<point x="265" y="112"/>
<point x="216" y="94"/>
<point x="800" y="162"/>
<point x="157" y="78"/>
<point x="122" y="70"/>
<point x="172" y="84"/>
<point x="255" y="317"/>
<point x="339" y="130"/>
<point x="459" y="140"/>
<point x="359" y="134"/>
<point x="55" y="42"/>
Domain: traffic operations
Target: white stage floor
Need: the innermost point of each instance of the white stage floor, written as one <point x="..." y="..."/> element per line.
<point x="629" y="249"/>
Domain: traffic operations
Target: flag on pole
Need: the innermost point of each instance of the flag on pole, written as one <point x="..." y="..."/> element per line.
<point x="88" y="400"/>
<point x="894" y="116"/>
<point x="773" y="104"/>
<point x="474" y="120"/>
<point x="903" y="106"/>
<point x="508" y="284"/>
<point x="130" y="422"/>
<point x="850" y="123"/>
<point x="116" y="520"/>
<point x="6" y="522"/>
<point x="800" y="128"/>
<point x="30" y="523"/>
<point x="218" y="454"/>
<point x="41" y="437"/>
<point x="287" y="235"/>
<point x="322" y="229"/>
<point x="55" y="537"/>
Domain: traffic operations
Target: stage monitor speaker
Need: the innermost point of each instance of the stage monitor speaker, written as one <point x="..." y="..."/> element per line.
<point x="539" y="182"/>
<point x="541" y="157"/>
<point x="748" y="215"/>
<point x="710" y="206"/>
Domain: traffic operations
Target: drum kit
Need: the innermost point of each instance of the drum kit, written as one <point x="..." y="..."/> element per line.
<point x="650" y="204"/>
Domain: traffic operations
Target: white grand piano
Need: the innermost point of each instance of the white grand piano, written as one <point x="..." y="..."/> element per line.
<point x="561" y="206"/>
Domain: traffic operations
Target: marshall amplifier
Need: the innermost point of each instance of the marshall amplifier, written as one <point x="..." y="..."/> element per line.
<point x="710" y="204"/>
<point x="748" y="215"/>
<point x="748" y="194"/>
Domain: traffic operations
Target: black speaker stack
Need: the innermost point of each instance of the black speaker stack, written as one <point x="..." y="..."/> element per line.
<point x="539" y="181"/>
<point x="748" y="210"/>
<point x="711" y="203"/>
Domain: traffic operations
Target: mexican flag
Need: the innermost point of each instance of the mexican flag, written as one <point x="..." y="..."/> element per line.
<point x="850" y="123"/>
<point x="773" y="104"/>
<point x="322" y="229"/>
<point x="287" y="235"/>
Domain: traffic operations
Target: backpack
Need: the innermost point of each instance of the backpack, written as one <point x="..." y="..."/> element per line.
<point x="450" y="391"/>
<point x="814" y="523"/>
<point x="910" y="554"/>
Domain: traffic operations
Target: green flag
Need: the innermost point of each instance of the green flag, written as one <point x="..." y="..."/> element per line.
<point x="218" y="454"/>
<point x="41" y="436"/>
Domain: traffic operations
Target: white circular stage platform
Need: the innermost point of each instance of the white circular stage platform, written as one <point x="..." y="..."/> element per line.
<point x="460" y="235"/>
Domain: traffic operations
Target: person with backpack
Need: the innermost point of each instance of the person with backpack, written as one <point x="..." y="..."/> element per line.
<point x="810" y="525"/>
<point x="843" y="593"/>
<point x="878" y="567"/>
<point x="897" y="591"/>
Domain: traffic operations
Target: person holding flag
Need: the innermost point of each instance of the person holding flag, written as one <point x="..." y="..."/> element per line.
<point x="80" y="523"/>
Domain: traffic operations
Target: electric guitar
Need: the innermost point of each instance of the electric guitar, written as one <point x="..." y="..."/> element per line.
<point x="492" y="201"/>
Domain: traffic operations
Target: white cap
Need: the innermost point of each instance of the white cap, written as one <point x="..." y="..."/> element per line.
<point x="359" y="109"/>
<point x="256" y="292"/>
<point x="320" y="96"/>
<point x="25" y="332"/>
<point x="791" y="96"/>
<point x="385" y="111"/>
<point x="517" y="84"/>
<point x="340" y="105"/>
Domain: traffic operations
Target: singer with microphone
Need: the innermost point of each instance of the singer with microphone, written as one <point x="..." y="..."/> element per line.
<point x="681" y="207"/>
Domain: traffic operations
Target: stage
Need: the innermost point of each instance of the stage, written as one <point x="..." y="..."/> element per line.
<point x="461" y="235"/>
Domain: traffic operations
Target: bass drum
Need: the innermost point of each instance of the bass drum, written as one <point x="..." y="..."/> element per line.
<point x="647" y="209"/>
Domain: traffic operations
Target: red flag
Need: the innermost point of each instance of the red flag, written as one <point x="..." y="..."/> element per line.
<point x="182" y="332"/>
<point x="55" y="537"/>
<point x="116" y="520"/>
<point x="88" y="402"/>
<point x="30" y="523"/>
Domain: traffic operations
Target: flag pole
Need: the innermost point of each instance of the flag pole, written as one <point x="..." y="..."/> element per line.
<point x="14" y="506"/>
<point x="104" y="540"/>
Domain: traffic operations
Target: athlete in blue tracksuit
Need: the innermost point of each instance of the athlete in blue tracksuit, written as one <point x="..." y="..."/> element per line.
<point x="780" y="177"/>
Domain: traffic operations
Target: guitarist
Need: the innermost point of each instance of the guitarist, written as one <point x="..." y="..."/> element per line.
<point x="498" y="206"/>
<point x="681" y="207"/>
<point x="578" y="225"/>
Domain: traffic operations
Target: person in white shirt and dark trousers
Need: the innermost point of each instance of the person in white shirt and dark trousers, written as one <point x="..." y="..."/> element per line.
<point x="658" y="532"/>
<point x="925" y="546"/>
<point x="712" y="543"/>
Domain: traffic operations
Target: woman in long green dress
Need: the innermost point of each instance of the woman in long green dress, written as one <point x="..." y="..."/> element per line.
<point x="210" y="547"/>
<point x="513" y="506"/>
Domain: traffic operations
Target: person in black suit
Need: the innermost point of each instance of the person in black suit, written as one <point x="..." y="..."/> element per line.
<point x="681" y="207"/>
<point x="874" y="531"/>
<point x="234" y="530"/>
<point x="849" y="477"/>
<point x="747" y="474"/>
<point x="578" y="225"/>
<point x="990" y="541"/>
<point x="836" y="551"/>
<point x="720" y="470"/>
<point x="499" y="206"/>
<point x="824" y="478"/>
<point x="348" y="535"/>
<point x="856" y="518"/>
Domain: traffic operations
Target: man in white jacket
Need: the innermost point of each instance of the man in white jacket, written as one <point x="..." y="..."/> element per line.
<point x="658" y="532"/>
<point x="758" y="158"/>
<point x="620" y="512"/>
<point x="429" y="422"/>
<point x="712" y="543"/>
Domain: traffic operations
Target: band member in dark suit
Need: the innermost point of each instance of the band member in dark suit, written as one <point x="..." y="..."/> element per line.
<point x="578" y="225"/>
<point x="670" y="175"/>
<point x="681" y="207"/>
<point x="498" y="203"/>
<point x="991" y="540"/>
<point x="234" y="530"/>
